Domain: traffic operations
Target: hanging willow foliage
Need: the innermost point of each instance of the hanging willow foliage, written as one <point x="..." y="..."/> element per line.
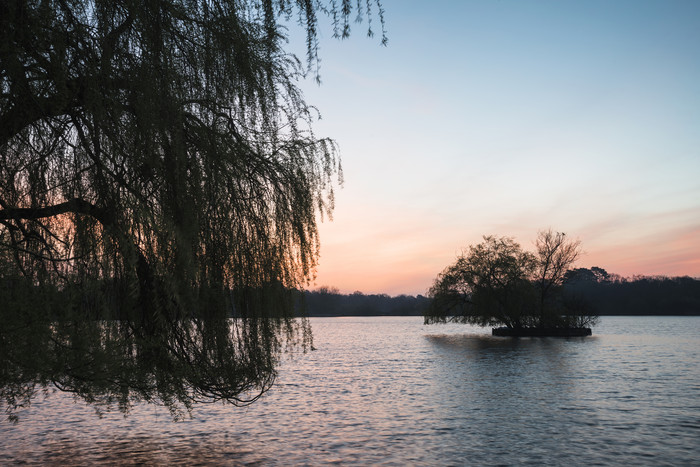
<point x="158" y="171"/>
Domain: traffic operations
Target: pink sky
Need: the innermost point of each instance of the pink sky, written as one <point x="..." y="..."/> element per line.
<point x="505" y="118"/>
<point x="407" y="263"/>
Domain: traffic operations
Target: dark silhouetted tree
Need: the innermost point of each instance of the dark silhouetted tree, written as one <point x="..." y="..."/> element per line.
<point x="555" y="256"/>
<point x="497" y="283"/>
<point x="487" y="286"/>
<point x="158" y="166"/>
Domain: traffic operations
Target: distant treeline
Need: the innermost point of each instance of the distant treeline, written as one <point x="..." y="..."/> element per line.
<point x="611" y="294"/>
<point x="327" y="301"/>
<point x="607" y="294"/>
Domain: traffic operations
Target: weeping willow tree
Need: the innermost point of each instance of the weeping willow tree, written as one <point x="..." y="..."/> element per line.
<point x="158" y="176"/>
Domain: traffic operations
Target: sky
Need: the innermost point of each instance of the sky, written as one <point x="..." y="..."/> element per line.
<point x="505" y="117"/>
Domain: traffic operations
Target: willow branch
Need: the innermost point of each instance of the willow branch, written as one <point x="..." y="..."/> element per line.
<point x="75" y="206"/>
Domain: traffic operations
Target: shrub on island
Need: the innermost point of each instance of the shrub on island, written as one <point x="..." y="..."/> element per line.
<point x="497" y="283"/>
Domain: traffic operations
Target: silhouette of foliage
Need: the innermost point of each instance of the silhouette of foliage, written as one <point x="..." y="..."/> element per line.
<point x="496" y="283"/>
<point x="487" y="286"/>
<point x="612" y="294"/>
<point x="158" y="167"/>
<point x="328" y="301"/>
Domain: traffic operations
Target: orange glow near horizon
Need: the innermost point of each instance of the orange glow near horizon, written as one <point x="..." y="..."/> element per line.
<point x="583" y="119"/>
<point x="397" y="266"/>
<point x="676" y="255"/>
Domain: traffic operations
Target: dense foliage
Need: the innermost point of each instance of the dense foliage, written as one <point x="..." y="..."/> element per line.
<point x="497" y="283"/>
<point x="157" y="166"/>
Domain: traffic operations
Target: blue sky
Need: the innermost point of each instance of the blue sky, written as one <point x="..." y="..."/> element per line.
<point x="505" y="117"/>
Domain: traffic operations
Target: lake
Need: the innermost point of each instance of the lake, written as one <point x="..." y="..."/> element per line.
<point x="391" y="391"/>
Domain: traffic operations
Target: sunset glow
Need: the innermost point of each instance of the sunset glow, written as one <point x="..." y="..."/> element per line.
<point x="505" y="118"/>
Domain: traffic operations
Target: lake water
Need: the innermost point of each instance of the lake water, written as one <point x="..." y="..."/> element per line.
<point x="391" y="391"/>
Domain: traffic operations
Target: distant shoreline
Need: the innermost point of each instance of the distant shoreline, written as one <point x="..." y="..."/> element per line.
<point x="607" y="295"/>
<point x="328" y="315"/>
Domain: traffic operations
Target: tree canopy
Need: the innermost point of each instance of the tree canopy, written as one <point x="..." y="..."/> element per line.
<point x="158" y="167"/>
<point x="497" y="283"/>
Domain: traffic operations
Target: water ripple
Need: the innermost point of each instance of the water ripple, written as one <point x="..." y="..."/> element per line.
<point x="390" y="391"/>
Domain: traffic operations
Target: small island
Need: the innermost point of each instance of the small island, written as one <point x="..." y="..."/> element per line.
<point x="521" y="294"/>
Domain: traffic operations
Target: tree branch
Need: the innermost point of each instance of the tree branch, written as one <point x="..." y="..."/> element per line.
<point x="75" y="205"/>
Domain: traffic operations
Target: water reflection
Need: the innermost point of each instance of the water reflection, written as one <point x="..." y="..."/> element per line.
<point x="389" y="392"/>
<point x="487" y="342"/>
<point x="137" y="448"/>
<point x="603" y="397"/>
<point x="513" y="357"/>
<point x="512" y="386"/>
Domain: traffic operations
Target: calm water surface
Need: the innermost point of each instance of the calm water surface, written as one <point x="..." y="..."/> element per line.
<point x="391" y="391"/>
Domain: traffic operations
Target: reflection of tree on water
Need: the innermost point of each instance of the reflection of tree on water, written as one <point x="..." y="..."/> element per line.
<point x="487" y="358"/>
<point x="509" y="392"/>
<point x="502" y="373"/>
<point x="154" y="157"/>
<point x="475" y="345"/>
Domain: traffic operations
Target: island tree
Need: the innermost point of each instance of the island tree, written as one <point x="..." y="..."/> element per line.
<point x="158" y="168"/>
<point x="555" y="256"/>
<point x="497" y="283"/>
